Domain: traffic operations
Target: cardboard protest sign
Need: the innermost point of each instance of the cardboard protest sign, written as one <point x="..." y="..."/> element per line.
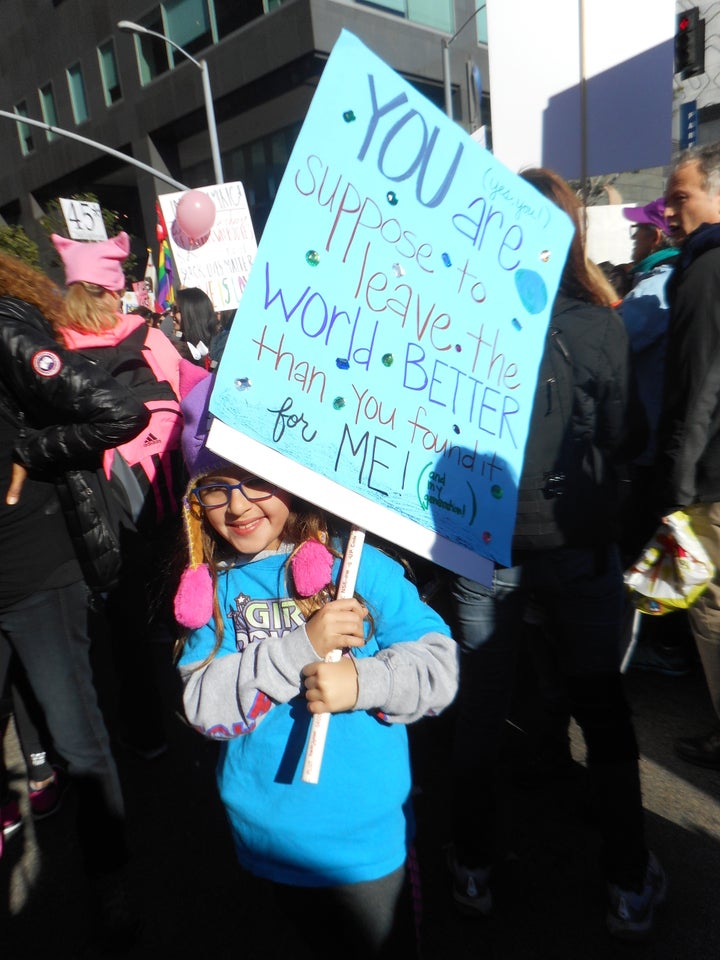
<point x="384" y="357"/>
<point x="142" y="293"/>
<point x="220" y="262"/>
<point x="83" y="219"/>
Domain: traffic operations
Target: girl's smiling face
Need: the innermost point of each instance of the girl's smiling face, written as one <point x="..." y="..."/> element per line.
<point x="249" y="526"/>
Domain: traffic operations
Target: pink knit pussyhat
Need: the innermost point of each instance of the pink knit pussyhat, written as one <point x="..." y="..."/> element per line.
<point x="96" y="262"/>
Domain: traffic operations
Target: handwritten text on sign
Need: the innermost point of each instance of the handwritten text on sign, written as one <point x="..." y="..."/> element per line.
<point x="392" y="326"/>
<point x="220" y="263"/>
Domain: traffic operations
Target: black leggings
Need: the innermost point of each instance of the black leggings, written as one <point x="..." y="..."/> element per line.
<point x="373" y="920"/>
<point x="19" y="700"/>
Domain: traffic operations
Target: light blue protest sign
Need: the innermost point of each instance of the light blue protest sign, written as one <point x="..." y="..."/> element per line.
<point x="384" y="356"/>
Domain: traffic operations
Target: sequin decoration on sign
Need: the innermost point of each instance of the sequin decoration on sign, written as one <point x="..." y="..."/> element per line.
<point x="456" y="428"/>
<point x="545" y="256"/>
<point x="516" y="323"/>
<point x="312" y="257"/>
<point x="496" y="491"/>
<point x="348" y="116"/>
<point x="342" y="364"/>
<point x="392" y="198"/>
<point x="531" y="290"/>
<point x="243" y="383"/>
<point x="387" y="360"/>
<point x="487" y="536"/>
<point x="446" y="260"/>
<point x="398" y="270"/>
<point x="338" y="403"/>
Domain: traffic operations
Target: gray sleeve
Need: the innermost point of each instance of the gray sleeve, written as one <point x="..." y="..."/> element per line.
<point x="410" y="680"/>
<point x="230" y="694"/>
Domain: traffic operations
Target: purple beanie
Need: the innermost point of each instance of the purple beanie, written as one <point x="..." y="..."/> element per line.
<point x="196" y="424"/>
<point x="194" y="597"/>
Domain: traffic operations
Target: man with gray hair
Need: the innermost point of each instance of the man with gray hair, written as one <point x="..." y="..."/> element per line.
<point x="689" y="432"/>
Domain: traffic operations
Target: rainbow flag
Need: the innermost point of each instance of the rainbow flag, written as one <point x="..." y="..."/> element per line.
<point x="165" y="292"/>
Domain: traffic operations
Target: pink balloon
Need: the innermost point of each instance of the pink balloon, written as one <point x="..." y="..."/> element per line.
<point x="195" y="214"/>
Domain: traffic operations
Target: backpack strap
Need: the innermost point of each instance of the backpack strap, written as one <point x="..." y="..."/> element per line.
<point x="162" y="358"/>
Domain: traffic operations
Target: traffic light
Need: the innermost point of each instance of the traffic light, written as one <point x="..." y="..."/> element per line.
<point x="690" y="43"/>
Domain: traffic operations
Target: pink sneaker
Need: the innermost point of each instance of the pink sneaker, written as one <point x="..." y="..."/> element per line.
<point x="46" y="800"/>
<point x="10" y="818"/>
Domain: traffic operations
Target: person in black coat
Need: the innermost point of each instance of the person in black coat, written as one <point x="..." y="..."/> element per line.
<point x="567" y="578"/>
<point x="58" y="411"/>
<point x="688" y="463"/>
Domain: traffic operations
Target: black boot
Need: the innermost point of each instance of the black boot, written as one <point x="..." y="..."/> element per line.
<point x="702" y="751"/>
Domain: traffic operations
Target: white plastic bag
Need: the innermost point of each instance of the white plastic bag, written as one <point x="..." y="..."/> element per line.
<point x="673" y="569"/>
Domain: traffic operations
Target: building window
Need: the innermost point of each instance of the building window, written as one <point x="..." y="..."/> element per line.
<point x="109" y="73"/>
<point x="188" y="24"/>
<point x="49" y="111"/>
<point x="76" y="86"/>
<point x="396" y="6"/>
<point x="260" y="165"/>
<point x="152" y="53"/>
<point x="481" y="21"/>
<point x="231" y="15"/>
<point x="24" y="130"/>
<point x="430" y="13"/>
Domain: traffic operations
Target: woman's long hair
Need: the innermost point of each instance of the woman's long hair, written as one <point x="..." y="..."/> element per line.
<point x="90" y="308"/>
<point x="18" y="279"/>
<point x="198" y="318"/>
<point x="581" y="279"/>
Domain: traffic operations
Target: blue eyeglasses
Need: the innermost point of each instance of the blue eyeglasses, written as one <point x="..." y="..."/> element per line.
<point x="219" y="494"/>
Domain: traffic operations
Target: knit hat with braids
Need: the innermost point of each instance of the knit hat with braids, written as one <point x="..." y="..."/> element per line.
<point x="194" y="597"/>
<point x="311" y="564"/>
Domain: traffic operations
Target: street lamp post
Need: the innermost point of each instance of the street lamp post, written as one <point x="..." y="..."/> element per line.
<point x="50" y="128"/>
<point x="447" y="81"/>
<point x="202" y="66"/>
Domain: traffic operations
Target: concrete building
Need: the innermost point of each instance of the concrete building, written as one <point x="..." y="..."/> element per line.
<point x="65" y="62"/>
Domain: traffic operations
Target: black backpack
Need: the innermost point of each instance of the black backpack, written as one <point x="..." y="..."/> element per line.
<point x="156" y="451"/>
<point x="567" y="493"/>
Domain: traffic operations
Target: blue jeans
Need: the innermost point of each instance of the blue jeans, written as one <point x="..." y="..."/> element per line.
<point x="48" y="632"/>
<point x="580" y="595"/>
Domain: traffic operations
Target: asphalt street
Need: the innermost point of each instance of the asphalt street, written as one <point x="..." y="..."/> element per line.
<point x="548" y="894"/>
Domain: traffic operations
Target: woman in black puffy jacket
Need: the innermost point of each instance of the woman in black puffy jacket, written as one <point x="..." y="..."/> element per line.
<point x="58" y="411"/>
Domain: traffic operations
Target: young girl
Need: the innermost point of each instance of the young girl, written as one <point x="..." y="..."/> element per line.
<point x="258" y="595"/>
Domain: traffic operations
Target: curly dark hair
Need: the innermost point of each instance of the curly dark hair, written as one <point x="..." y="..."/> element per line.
<point x="20" y="280"/>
